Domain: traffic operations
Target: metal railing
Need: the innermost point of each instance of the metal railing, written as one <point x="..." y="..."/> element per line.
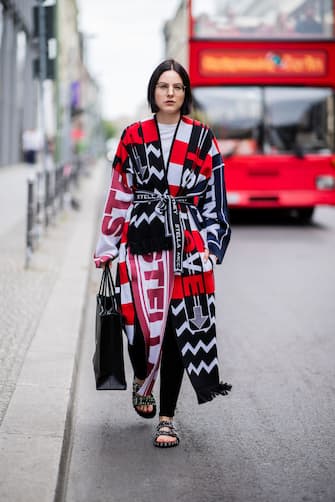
<point x="50" y="192"/>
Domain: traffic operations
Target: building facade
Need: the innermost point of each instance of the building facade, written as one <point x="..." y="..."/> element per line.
<point x="70" y="97"/>
<point x="18" y="90"/>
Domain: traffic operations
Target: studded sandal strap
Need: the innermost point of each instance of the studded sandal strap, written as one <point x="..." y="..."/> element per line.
<point x="165" y="423"/>
<point x="166" y="433"/>
<point x="143" y="400"/>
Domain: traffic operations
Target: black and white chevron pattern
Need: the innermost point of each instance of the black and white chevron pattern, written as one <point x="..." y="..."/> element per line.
<point x="197" y="343"/>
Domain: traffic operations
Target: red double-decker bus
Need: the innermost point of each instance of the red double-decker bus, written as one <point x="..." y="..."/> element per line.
<point x="263" y="76"/>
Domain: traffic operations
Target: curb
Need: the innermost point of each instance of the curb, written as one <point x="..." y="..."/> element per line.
<point x="35" y="431"/>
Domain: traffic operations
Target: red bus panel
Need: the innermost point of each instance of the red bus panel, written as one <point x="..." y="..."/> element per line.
<point x="262" y="63"/>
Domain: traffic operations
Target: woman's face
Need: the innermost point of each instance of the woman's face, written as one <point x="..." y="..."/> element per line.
<point x="169" y="92"/>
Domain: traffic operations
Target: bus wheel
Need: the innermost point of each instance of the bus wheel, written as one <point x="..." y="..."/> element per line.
<point x="304" y="214"/>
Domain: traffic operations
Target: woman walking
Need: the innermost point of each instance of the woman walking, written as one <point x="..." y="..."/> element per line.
<point x="165" y="219"/>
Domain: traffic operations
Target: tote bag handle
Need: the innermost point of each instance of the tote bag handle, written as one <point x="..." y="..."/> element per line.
<point x="107" y="288"/>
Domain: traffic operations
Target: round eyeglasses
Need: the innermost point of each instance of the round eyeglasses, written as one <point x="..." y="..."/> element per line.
<point x="164" y="88"/>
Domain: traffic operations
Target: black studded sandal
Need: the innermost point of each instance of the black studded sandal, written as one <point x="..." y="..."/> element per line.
<point x="171" y="432"/>
<point x="143" y="401"/>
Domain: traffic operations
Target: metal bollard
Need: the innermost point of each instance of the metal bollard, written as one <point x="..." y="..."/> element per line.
<point x="47" y="199"/>
<point x="30" y="222"/>
<point x="40" y="208"/>
<point x="67" y="180"/>
<point x="53" y="194"/>
<point x="57" y="190"/>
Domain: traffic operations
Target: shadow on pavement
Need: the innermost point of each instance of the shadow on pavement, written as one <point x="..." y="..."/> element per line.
<point x="270" y="217"/>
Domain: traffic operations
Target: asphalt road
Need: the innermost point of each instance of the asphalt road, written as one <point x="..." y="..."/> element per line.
<point x="273" y="438"/>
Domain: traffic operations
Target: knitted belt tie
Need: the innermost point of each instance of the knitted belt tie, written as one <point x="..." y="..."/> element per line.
<point x="168" y="205"/>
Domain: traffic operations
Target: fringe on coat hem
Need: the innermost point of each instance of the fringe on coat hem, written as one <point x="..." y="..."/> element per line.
<point x="205" y="395"/>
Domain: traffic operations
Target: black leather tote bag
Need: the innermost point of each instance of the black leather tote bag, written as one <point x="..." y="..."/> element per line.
<point x="108" y="361"/>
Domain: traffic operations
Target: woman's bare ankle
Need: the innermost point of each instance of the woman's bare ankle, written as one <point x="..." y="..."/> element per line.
<point x="164" y="418"/>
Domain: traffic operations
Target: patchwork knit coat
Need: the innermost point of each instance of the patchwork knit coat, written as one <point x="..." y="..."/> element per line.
<point x="158" y="220"/>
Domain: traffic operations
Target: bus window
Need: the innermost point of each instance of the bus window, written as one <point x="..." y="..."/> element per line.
<point x="298" y="19"/>
<point x="298" y="118"/>
<point x="235" y="115"/>
<point x="269" y="120"/>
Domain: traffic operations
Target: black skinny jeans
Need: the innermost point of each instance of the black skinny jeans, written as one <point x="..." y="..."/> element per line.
<point x="171" y="370"/>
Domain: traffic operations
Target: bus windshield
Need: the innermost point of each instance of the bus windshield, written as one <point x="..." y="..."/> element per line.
<point x="268" y="120"/>
<point x="218" y="19"/>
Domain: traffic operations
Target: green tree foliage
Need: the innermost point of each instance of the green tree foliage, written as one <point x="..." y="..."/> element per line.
<point x="109" y="129"/>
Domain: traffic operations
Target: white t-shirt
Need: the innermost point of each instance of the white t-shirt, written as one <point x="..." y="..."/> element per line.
<point x="166" y="132"/>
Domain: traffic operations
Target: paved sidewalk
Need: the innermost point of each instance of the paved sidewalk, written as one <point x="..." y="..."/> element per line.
<point x="40" y="314"/>
<point x="21" y="291"/>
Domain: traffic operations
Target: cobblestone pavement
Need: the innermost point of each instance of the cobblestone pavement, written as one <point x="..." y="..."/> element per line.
<point x="24" y="293"/>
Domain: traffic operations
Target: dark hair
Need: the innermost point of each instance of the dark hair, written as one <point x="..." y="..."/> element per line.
<point x="170" y="64"/>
